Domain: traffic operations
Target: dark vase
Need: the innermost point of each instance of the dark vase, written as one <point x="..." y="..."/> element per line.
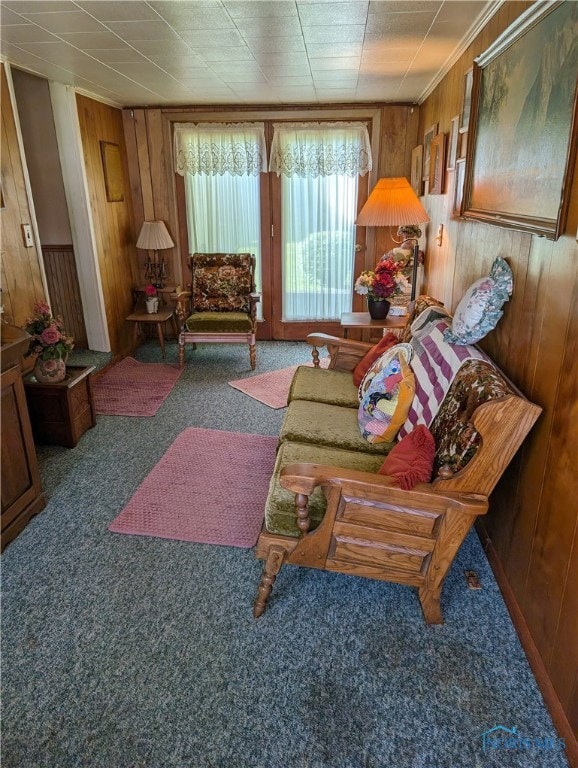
<point x="377" y="309"/>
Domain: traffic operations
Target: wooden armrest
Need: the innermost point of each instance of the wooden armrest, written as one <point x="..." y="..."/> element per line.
<point x="256" y="297"/>
<point x="344" y="353"/>
<point x="304" y="478"/>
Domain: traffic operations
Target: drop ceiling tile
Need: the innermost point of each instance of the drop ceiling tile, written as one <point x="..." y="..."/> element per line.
<point x="269" y="26"/>
<point x="281" y="45"/>
<point x="253" y="9"/>
<point x="88" y="41"/>
<point x="141" y="71"/>
<point x="21" y="34"/>
<point x="290" y="80"/>
<point x="464" y="10"/>
<point x="40" y="6"/>
<point x="71" y="21"/>
<point x="8" y="17"/>
<point x="221" y="37"/>
<point x="233" y="77"/>
<point x="326" y="51"/>
<point x="228" y="67"/>
<point x="153" y="48"/>
<point x="272" y="59"/>
<point x="240" y="53"/>
<point x="395" y="24"/>
<point x="106" y="10"/>
<point x="336" y="94"/>
<point x="300" y="70"/>
<point x="335" y="80"/>
<point x="303" y="94"/>
<point x="117" y="55"/>
<point x="183" y="18"/>
<point x="327" y="14"/>
<point x="352" y="33"/>
<point x="182" y="67"/>
<point x="383" y="7"/>
<point x="142" y="30"/>
<point x="58" y="52"/>
<point x="378" y="52"/>
<point x="339" y="62"/>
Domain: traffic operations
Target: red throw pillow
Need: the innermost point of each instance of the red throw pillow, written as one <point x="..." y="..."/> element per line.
<point x="411" y="460"/>
<point x="362" y="367"/>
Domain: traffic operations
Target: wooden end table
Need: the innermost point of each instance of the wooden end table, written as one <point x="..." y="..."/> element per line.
<point x="157" y="318"/>
<point x="61" y="413"/>
<point x="362" y="320"/>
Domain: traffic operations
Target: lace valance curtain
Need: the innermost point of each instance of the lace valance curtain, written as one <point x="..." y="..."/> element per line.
<point x="213" y="149"/>
<point x="311" y="150"/>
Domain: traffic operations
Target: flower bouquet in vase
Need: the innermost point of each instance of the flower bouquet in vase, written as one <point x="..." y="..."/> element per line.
<point x="152" y="299"/>
<point x="380" y="284"/>
<point x="50" y="343"/>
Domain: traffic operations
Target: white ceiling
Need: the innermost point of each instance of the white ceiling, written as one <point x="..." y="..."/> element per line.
<point x="133" y="53"/>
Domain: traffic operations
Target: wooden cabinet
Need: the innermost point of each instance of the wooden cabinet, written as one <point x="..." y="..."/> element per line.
<point x="22" y="495"/>
<point x="61" y="413"/>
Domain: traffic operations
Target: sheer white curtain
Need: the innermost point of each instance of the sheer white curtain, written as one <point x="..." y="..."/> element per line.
<point x="319" y="165"/>
<point x="221" y="163"/>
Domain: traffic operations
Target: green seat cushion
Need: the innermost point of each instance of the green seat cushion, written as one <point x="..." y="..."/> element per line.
<point x="218" y="322"/>
<point x="324" y="424"/>
<point x="323" y="386"/>
<point x="280" y="515"/>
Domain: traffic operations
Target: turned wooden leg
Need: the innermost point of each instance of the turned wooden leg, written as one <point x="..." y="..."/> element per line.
<point x="315" y="356"/>
<point x="302" y="512"/>
<point x="430" y="604"/>
<point x="271" y="568"/>
<point x="253" y="356"/>
<point x="181" y="354"/>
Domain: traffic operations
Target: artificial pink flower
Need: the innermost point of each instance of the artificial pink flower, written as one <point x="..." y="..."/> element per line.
<point x="49" y="365"/>
<point x="50" y="335"/>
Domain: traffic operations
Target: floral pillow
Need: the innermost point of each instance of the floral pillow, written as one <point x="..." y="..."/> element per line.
<point x="481" y="307"/>
<point x="387" y="399"/>
<point x="380" y="363"/>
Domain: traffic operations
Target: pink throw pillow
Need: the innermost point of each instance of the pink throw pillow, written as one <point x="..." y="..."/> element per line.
<point x="411" y="460"/>
<point x="362" y="367"/>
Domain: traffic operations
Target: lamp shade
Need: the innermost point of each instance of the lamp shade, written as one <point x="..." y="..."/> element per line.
<point x="392" y="203"/>
<point x="154" y="236"/>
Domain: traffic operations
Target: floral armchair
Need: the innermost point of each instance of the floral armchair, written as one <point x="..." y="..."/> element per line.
<point x="221" y="304"/>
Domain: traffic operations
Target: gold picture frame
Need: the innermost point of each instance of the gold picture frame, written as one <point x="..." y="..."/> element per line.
<point x="427" y="140"/>
<point x="112" y="168"/>
<point x="437" y="164"/>
<point x="453" y="143"/>
<point x="417" y="170"/>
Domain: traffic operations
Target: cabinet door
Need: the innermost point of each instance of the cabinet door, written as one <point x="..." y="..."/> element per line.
<point x="21" y="489"/>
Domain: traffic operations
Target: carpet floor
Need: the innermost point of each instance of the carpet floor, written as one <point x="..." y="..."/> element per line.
<point x="270" y="388"/>
<point x="133" y="652"/>
<point x="210" y="487"/>
<point x="132" y="388"/>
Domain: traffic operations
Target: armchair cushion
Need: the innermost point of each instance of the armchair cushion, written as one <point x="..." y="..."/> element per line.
<point x="280" y="508"/>
<point x="387" y="341"/>
<point x="323" y="386"/>
<point x="218" y="322"/>
<point x="411" y="460"/>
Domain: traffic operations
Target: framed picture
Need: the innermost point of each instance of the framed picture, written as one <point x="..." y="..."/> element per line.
<point x="459" y="187"/>
<point x="453" y="143"/>
<point x="427" y="139"/>
<point x="467" y="100"/>
<point x="416" y="169"/>
<point x="437" y="164"/>
<point x="112" y="167"/>
<point x="522" y="142"/>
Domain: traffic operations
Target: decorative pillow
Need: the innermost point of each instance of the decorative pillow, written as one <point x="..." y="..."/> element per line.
<point x="379" y="364"/>
<point x="481" y="307"/>
<point x="411" y="460"/>
<point x="387" y="341"/>
<point x="387" y="400"/>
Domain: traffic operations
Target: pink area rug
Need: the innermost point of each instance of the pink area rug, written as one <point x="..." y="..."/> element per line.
<point x="209" y="487"/>
<point x="271" y="388"/>
<point x="131" y="388"/>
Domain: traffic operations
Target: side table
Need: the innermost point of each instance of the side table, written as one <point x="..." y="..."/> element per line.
<point x="157" y="318"/>
<point x="363" y="320"/>
<point x="61" y="413"/>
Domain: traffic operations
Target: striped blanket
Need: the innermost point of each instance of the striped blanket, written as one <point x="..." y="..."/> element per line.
<point x="435" y="363"/>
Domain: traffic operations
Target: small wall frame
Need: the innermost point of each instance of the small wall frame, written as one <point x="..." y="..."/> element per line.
<point x="437" y="164"/>
<point x="112" y="168"/>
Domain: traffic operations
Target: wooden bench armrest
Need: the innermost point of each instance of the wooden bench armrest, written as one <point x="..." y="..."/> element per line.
<point x="344" y="353"/>
<point x="304" y="478"/>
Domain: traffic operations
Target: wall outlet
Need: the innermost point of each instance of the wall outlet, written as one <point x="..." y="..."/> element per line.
<point x="27" y="235"/>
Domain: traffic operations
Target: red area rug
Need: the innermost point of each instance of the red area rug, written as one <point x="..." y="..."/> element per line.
<point x="131" y="388"/>
<point x="209" y="487"/>
<point x="271" y="388"/>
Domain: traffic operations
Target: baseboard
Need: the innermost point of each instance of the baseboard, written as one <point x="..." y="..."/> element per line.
<point x="551" y="699"/>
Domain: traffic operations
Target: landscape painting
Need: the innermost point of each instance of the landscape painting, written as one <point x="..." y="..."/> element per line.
<point x="524" y="117"/>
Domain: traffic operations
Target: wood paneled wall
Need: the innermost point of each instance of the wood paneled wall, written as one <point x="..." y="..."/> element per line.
<point x="113" y="221"/>
<point x="21" y="274"/>
<point x="532" y="523"/>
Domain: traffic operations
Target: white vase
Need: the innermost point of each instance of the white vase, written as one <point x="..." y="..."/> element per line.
<point x="152" y="305"/>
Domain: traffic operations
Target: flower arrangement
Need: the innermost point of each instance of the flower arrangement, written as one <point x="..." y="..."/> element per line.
<point x="382" y="282"/>
<point x="150" y="291"/>
<point x="49" y="339"/>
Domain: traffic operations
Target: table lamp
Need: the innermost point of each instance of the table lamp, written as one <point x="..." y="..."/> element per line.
<point x="393" y="203"/>
<point x="155" y="237"/>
